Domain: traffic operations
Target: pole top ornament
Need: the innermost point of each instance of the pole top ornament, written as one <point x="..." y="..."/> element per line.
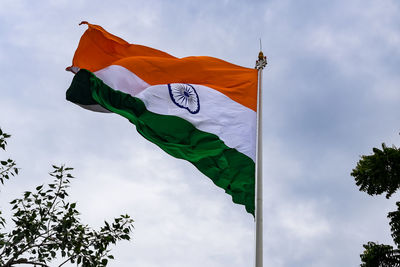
<point x="261" y="62"/>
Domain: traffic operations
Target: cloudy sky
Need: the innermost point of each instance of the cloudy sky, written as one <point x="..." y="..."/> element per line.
<point x="331" y="93"/>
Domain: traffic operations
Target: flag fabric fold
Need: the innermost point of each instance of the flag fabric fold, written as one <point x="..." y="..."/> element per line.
<point x="199" y="109"/>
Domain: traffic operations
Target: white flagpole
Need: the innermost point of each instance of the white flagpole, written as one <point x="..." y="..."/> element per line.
<point x="260" y="64"/>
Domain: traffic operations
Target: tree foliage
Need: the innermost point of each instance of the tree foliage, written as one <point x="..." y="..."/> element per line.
<point x="7" y="167"/>
<point x="378" y="255"/>
<point x="380" y="172"/>
<point x="47" y="226"/>
<point x="394" y="217"/>
<point x="376" y="174"/>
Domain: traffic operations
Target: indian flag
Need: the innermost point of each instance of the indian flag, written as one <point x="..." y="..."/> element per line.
<point x="200" y="109"/>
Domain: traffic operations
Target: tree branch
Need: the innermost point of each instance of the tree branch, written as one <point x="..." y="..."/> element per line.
<point x="67" y="260"/>
<point x="25" y="261"/>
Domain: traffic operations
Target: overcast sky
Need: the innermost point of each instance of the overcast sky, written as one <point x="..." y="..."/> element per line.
<point x="331" y="93"/>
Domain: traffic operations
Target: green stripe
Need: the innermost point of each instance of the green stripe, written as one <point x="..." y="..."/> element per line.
<point x="227" y="168"/>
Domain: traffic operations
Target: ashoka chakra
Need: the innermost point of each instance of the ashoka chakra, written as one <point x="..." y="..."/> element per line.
<point x="184" y="96"/>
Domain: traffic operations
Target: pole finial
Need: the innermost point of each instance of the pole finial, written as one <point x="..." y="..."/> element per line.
<point x="260" y="55"/>
<point x="262" y="60"/>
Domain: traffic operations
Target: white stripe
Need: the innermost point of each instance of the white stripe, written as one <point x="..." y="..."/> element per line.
<point x="233" y="123"/>
<point x="95" y="107"/>
<point x="121" y="79"/>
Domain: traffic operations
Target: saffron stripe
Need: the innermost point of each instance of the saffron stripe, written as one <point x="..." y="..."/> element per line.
<point x="99" y="49"/>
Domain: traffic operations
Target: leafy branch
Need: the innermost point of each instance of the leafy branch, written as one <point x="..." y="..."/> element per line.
<point x="380" y="172"/>
<point x="47" y="225"/>
<point x="7" y="167"/>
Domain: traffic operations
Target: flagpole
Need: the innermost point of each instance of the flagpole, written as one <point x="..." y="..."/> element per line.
<point x="260" y="64"/>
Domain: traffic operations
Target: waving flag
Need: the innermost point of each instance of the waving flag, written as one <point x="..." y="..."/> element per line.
<point x="200" y="109"/>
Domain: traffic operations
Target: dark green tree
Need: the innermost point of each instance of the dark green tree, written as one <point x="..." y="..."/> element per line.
<point x="377" y="174"/>
<point x="379" y="255"/>
<point x="46" y="225"/>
